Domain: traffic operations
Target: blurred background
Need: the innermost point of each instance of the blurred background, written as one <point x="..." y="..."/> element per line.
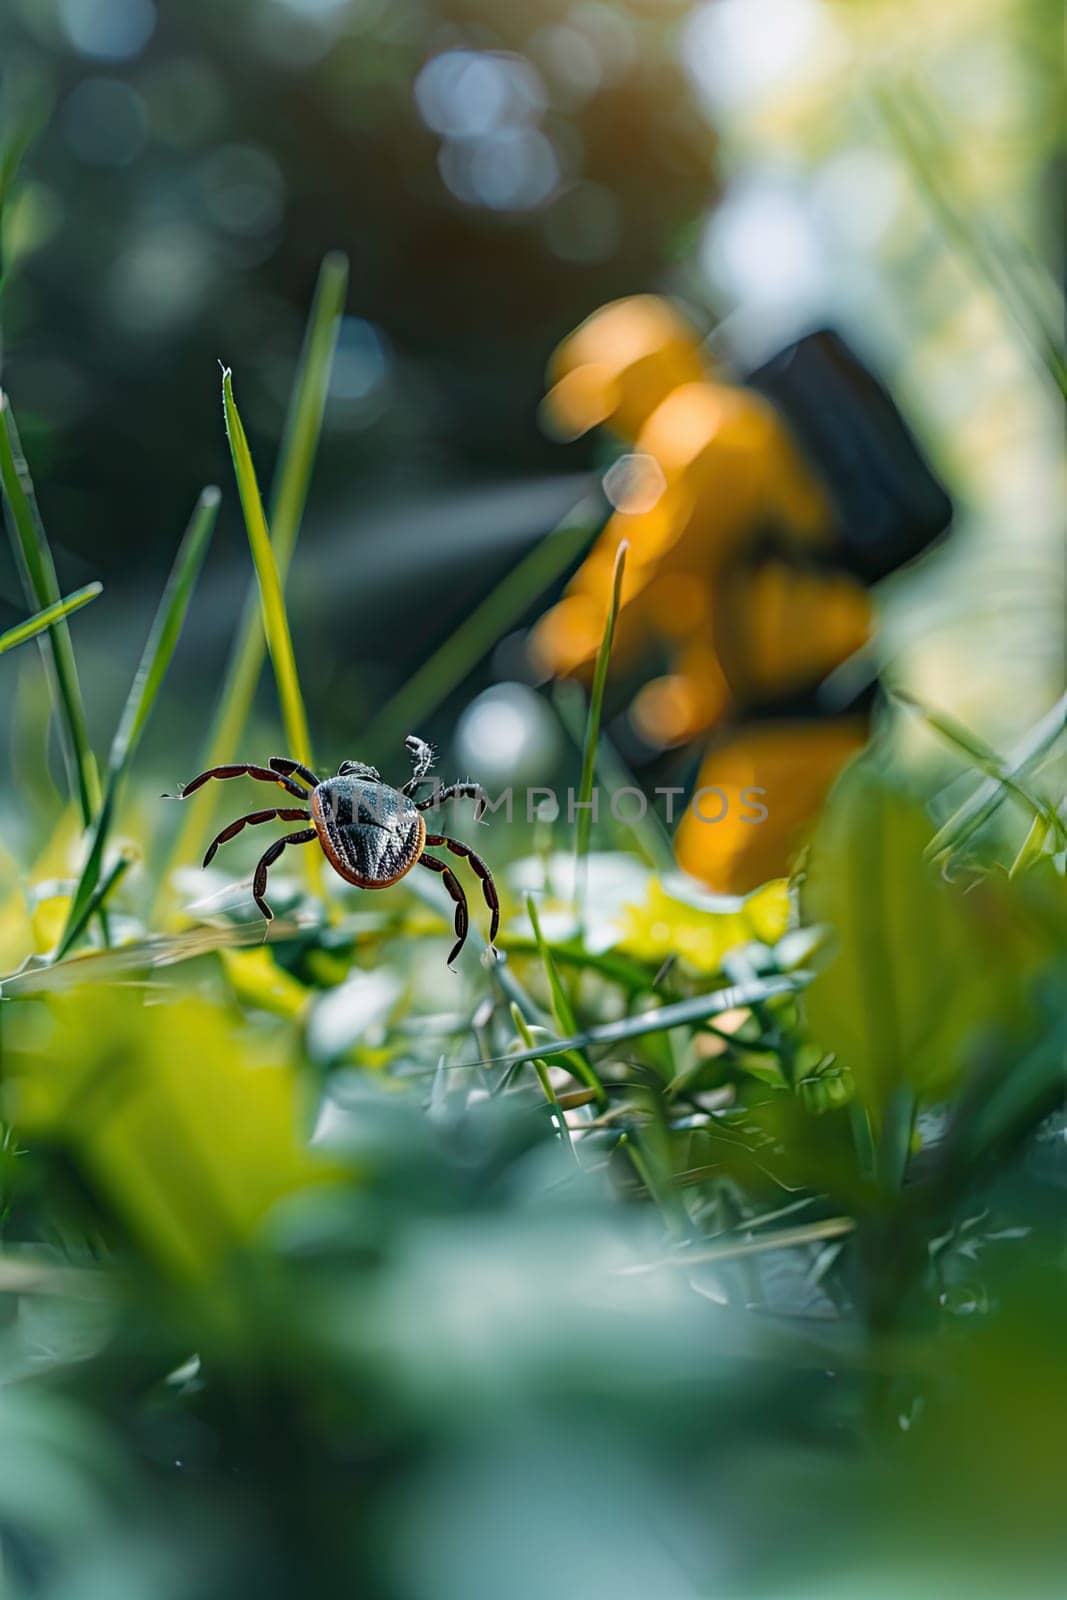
<point x="496" y="173"/>
<point x="291" y="1285"/>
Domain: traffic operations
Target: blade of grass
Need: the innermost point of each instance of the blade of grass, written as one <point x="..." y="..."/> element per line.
<point x="272" y="604"/>
<point x="271" y="598"/>
<point x="592" y="730"/>
<point x="648" y="829"/>
<point x="681" y="1013"/>
<point x="452" y="661"/>
<point x="155" y="659"/>
<point x="543" y="1076"/>
<point x="296" y="460"/>
<point x="19" y="131"/>
<point x="96" y="902"/>
<point x="985" y="759"/>
<point x="42" y="591"/>
<point x="22" y="631"/>
<point x="784" y="1239"/>
<point x="562" y="1011"/>
<point x="667" y="1201"/>
<point x="979" y="807"/>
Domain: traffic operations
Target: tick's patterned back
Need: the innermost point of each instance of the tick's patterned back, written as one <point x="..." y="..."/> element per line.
<point x="372" y="833"/>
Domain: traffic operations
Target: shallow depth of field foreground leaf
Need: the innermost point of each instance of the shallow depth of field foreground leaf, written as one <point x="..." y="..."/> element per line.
<point x="923" y="970"/>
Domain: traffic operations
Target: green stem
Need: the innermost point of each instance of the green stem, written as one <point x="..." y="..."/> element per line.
<point x="452" y="661"/>
<point x="42" y="592"/>
<point x="584" y="825"/>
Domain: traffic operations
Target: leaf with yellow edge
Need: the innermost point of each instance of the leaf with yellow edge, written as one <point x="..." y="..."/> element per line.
<point x="698" y="934"/>
<point x="181" y="1123"/>
<point x="257" y="980"/>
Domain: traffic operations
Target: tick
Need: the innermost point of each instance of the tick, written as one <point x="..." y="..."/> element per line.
<point x="371" y="834"/>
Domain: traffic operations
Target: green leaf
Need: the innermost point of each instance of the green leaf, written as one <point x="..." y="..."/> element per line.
<point x="29" y="629"/>
<point x="914" y="976"/>
<point x="148" y="679"/>
<point x="42" y="591"/>
<point x="183" y="1127"/>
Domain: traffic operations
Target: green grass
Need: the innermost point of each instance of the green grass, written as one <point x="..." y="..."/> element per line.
<point x="24" y="631"/>
<point x="144" y="691"/>
<point x="979" y="755"/>
<point x="292" y="484"/>
<point x="271" y="599"/>
<point x="41" y="588"/>
<point x="445" y="669"/>
<point x="482" y="1277"/>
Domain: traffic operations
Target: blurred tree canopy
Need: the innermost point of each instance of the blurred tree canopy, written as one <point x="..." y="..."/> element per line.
<point x="493" y="173"/>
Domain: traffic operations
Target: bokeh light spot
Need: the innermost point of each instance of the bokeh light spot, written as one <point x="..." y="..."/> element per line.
<point x="104" y="122"/>
<point x="634" y="484"/>
<point x="360" y="365"/>
<point x="160" y="281"/>
<point x="507" y="735"/>
<point x="108" y="30"/>
<point x="464" y="93"/>
<point x="243" y="189"/>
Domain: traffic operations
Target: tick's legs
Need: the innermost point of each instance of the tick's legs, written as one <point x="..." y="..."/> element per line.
<point x="452" y="884"/>
<point x="252" y="818"/>
<point x="456" y="791"/>
<point x="293" y="769"/>
<point x="422" y="755"/>
<point x="481" y="871"/>
<point x="263" y="774"/>
<point x="267" y="860"/>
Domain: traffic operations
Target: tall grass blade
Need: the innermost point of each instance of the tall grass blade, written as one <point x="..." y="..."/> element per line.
<point x="649" y="831"/>
<point x="272" y="605"/>
<point x="784" y="1239"/>
<point x="271" y="598"/>
<point x="42" y="591"/>
<point x="592" y="728"/>
<point x="307" y="407"/>
<point x="29" y="629"/>
<point x="452" y="661"/>
<point x="96" y="902"/>
<point x="986" y="800"/>
<point x="522" y="1028"/>
<point x="681" y="1013"/>
<point x="562" y="1010"/>
<point x="985" y="759"/>
<point x="17" y="133"/>
<point x="155" y="659"/>
<point x="292" y="480"/>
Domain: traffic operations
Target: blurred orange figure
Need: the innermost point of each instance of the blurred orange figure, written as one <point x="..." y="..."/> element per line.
<point x="726" y="577"/>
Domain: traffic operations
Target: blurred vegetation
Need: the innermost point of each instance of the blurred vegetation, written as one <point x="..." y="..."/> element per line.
<point x="694" y="1246"/>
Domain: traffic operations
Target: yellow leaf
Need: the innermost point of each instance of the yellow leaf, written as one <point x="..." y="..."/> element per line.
<point x="184" y="1128"/>
<point x="257" y="980"/>
<point x="701" y="936"/>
